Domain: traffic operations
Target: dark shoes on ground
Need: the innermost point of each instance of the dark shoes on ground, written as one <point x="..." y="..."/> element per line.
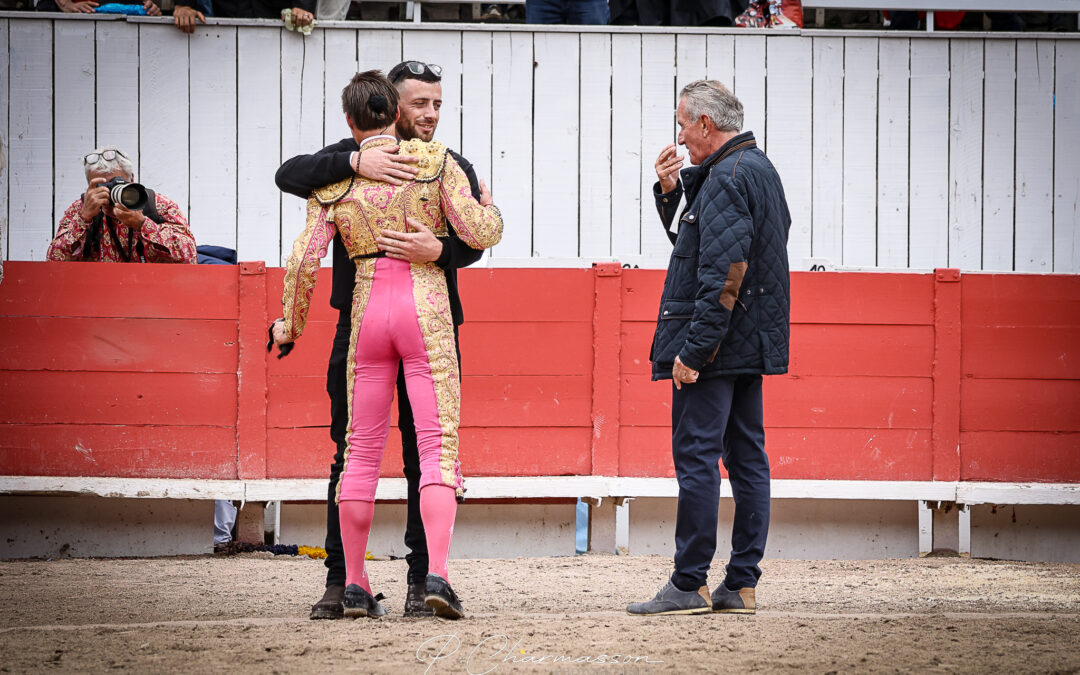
<point x="330" y="607"/>
<point x="414" y="600"/>
<point x="671" y="600"/>
<point x="727" y="601"/>
<point x="439" y="596"/>
<point x="359" y="603"/>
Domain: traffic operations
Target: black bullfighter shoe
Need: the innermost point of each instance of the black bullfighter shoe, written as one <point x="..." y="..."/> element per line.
<point x="440" y="597"/>
<point x="359" y="603"/>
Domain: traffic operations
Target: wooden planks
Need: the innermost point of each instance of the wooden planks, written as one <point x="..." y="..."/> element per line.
<point x="74" y="72"/>
<point x="790" y="99"/>
<point x="595" y="148"/>
<point x="165" y="131"/>
<point x="827" y="236"/>
<point x="511" y="141"/>
<point x="629" y="214"/>
<point x="5" y="151"/>
<point x="928" y="246"/>
<point x="658" y="103"/>
<point x="896" y="152"/>
<point x="1066" y="159"/>
<point x="860" y="153"/>
<point x="302" y="119"/>
<point x="1034" y="156"/>
<point x="212" y="214"/>
<point x="555" y="132"/>
<point x="476" y="102"/>
<point x="965" y="154"/>
<point x="258" y="149"/>
<point x="30" y="142"/>
<point x="893" y="138"/>
<point x="999" y="155"/>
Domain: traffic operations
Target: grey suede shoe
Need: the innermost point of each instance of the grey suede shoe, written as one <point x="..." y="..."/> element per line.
<point x="727" y="601"/>
<point x="671" y="600"/>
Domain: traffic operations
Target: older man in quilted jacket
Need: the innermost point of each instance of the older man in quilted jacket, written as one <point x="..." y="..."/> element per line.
<point x="723" y="324"/>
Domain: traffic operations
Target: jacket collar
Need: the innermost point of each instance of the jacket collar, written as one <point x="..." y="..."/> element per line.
<point x="693" y="176"/>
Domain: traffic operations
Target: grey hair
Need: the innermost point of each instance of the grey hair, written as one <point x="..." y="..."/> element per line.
<point x="713" y="100"/>
<point x="105" y="166"/>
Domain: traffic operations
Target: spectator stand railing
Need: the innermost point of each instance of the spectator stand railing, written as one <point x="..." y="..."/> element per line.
<point x="930" y="6"/>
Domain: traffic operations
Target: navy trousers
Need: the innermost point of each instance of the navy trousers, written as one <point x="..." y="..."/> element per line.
<point x="586" y="12"/>
<point x="712" y="420"/>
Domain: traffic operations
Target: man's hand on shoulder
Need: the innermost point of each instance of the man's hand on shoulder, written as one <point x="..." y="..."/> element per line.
<point x="420" y="246"/>
<point x="384" y="164"/>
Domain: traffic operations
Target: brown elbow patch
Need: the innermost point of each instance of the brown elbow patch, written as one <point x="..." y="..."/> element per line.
<point x="730" y="294"/>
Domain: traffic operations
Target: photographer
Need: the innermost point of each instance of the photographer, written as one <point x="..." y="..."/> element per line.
<point x="96" y="229"/>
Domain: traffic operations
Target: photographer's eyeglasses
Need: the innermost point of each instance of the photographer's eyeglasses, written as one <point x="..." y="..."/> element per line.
<point x="107" y="155"/>
<point x="418" y="68"/>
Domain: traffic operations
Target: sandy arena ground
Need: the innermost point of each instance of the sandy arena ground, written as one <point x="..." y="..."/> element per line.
<point x="249" y="614"/>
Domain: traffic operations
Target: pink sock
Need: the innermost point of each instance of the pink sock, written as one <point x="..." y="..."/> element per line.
<point x="438" y="506"/>
<point x="356" y="519"/>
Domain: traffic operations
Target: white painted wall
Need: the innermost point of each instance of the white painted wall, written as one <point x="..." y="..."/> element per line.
<point x="897" y="151"/>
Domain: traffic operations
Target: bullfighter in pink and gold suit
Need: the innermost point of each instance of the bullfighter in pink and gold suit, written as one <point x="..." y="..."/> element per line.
<point x="400" y="312"/>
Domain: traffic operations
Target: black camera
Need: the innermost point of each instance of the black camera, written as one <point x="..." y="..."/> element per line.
<point x="130" y="195"/>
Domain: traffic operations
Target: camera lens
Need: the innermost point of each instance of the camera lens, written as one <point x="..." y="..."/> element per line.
<point x="131" y="195"/>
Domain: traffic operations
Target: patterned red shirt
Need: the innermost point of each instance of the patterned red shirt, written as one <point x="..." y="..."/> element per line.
<point x="169" y="242"/>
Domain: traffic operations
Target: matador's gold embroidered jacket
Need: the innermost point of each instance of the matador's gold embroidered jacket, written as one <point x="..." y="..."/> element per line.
<point x="359" y="209"/>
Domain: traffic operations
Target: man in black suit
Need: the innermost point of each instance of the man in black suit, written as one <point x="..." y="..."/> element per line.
<point x="420" y="88"/>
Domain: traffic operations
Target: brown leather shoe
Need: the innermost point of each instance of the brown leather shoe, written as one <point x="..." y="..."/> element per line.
<point x="414" y="601"/>
<point x="331" y="606"/>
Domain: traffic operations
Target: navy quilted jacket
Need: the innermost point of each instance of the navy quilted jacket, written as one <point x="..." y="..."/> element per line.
<point x="726" y="302"/>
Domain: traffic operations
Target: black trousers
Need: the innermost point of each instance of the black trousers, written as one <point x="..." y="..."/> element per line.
<point x="337" y="388"/>
<point x="714" y="419"/>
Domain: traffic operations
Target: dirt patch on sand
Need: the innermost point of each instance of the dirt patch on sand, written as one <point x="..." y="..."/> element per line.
<point x="249" y="614"/>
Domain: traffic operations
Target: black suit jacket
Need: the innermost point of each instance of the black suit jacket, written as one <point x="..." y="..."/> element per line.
<point x="303" y="174"/>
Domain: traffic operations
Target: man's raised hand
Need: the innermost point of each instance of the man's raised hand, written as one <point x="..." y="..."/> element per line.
<point x="667" y="168"/>
<point x="384" y="164"/>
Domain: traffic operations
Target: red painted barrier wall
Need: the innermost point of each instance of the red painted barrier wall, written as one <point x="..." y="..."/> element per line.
<point x="161" y="371"/>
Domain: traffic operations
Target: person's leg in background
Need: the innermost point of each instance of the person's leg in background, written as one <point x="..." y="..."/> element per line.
<point x="747" y="465"/>
<point x="589" y="12"/>
<point x="224" y="519"/>
<point x="415" y="539"/>
<point x="546" y="11"/>
<point x="330" y="606"/>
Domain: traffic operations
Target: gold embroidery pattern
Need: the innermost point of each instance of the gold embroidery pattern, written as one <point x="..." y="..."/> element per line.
<point x="303" y="263"/>
<point x="437" y="328"/>
<point x="365" y="273"/>
<point x="478" y="226"/>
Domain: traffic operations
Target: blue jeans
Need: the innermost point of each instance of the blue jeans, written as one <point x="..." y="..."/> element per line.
<point x="581" y="12"/>
<point x="714" y="419"/>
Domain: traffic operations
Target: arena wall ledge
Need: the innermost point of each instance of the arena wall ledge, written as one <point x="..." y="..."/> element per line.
<point x="943" y="389"/>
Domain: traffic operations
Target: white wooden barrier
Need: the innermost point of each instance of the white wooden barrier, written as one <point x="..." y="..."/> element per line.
<point x="897" y="151"/>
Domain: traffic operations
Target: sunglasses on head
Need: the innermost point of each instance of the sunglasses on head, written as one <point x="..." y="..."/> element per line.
<point x="107" y="155"/>
<point x="418" y="68"/>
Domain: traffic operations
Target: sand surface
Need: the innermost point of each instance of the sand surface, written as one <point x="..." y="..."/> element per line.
<point x="248" y="613"/>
